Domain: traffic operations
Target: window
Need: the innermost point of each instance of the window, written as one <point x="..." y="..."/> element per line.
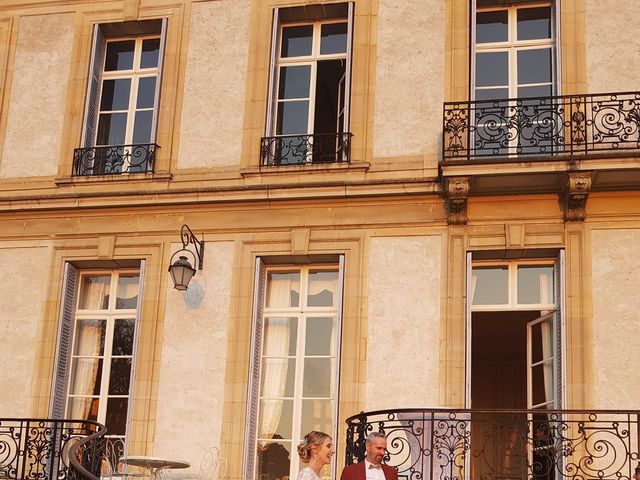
<point x="514" y="58"/>
<point x="122" y="99"/>
<point x="308" y="113"/>
<point x="295" y="365"/>
<point x="96" y="346"/>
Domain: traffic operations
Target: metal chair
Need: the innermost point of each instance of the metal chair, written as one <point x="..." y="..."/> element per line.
<point x="212" y="466"/>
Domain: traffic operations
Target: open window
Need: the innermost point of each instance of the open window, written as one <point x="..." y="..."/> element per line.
<point x="121" y="109"/>
<point x="308" y="111"/>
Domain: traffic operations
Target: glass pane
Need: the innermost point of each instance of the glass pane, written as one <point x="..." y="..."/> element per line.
<point x="94" y="292"/>
<point x="127" y="291"/>
<point x="534" y="23"/>
<point x="277" y="377"/>
<point x="317" y="415"/>
<point x="319" y="336"/>
<point x="535" y="285"/>
<point x="123" y="334"/>
<point x="142" y="127"/>
<point x="491" y="93"/>
<point x="317" y="377"/>
<point x="322" y="288"/>
<point x="115" y="94"/>
<point x="292" y="118"/>
<point x="492" y="69"/>
<point x="296" y="41"/>
<point x="83" y="408"/>
<point x="489" y="286"/>
<point x="534" y="66"/>
<point x="150" y="50"/>
<point x="86" y="375"/>
<point x="542" y="384"/>
<point x="120" y="376"/>
<point x="283" y="289"/>
<point x="280" y="336"/>
<point x="146" y="92"/>
<point x="275" y="418"/>
<point x="492" y="26"/>
<point x="536" y="343"/>
<point x="89" y="338"/>
<point x="119" y="55"/>
<point x="273" y="460"/>
<point x="294" y="82"/>
<point x="537" y="91"/>
<point x="111" y="128"/>
<point x="333" y="38"/>
<point x="116" y="421"/>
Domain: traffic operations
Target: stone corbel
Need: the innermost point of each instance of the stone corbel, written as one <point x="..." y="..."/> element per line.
<point x="457" y="193"/>
<point x="576" y="195"/>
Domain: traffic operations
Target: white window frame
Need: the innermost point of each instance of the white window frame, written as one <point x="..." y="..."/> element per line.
<point x="302" y="312"/>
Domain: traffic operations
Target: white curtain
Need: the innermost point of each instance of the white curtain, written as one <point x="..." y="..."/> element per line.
<point x="274" y="366"/>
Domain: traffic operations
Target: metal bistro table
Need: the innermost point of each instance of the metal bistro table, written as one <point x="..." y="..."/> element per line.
<point x="154" y="464"/>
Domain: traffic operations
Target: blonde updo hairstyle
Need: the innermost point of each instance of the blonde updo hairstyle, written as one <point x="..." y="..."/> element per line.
<point x="311" y="439"/>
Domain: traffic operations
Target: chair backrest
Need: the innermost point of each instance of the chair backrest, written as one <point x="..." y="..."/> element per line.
<point x="113" y="452"/>
<point x="212" y="467"/>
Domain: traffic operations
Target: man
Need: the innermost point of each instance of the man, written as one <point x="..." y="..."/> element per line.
<point x="372" y="468"/>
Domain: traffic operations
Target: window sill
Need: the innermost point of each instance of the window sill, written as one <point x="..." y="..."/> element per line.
<point x="307" y="168"/>
<point x="119" y="178"/>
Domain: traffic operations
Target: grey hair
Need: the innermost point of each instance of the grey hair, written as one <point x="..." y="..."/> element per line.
<point x="374" y="435"/>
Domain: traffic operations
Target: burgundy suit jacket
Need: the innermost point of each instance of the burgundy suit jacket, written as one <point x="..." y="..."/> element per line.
<point x="357" y="472"/>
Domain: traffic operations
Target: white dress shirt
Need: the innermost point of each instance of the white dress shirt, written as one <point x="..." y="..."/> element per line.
<point x="373" y="473"/>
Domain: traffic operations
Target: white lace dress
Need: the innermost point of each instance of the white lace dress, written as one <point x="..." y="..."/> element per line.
<point x="307" y="474"/>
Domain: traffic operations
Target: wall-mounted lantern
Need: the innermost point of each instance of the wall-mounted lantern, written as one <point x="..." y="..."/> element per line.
<point x="181" y="270"/>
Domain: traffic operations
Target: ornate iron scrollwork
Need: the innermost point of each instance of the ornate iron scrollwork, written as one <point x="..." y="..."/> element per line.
<point x="305" y="149"/>
<point x="114" y="159"/>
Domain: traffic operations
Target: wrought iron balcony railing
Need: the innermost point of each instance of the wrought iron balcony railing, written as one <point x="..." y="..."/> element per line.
<point x="570" y="125"/>
<point x="502" y="444"/>
<point x="114" y="159"/>
<point x="45" y="449"/>
<point x="305" y="149"/>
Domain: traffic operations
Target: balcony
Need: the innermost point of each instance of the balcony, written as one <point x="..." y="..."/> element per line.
<point x="445" y="444"/>
<point x="114" y="159"/>
<point x="305" y="149"/>
<point x="45" y="449"/>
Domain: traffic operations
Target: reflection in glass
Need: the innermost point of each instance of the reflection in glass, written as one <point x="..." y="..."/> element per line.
<point x="85" y="376"/>
<point x="280" y="336"/>
<point x="283" y="289"/>
<point x="489" y="286"/>
<point x="116" y="421"/>
<point x="150" y="50"/>
<point x="119" y="55"/>
<point x="94" y="292"/>
<point x="322" y="288"/>
<point x="275" y="418"/>
<point x="319" y="336"/>
<point x="83" y="408"/>
<point x="492" y="69"/>
<point x="534" y="23"/>
<point x="127" y="296"/>
<point x="89" y="339"/>
<point x="123" y="332"/>
<point x="111" y="129"/>
<point x="492" y="93"/>
<point x="317" y="377"/>
<point x="317" y="415"/>
<point x="535" y="285"/>
<point x="120" y="376"/>
<point x="536" y="91"/>
<point x="146" y="92"/>
<point x="333" y="38"/>
<point x="142" y="127"/>
<point x="296" y="41"/>
<point x="491" y="26"/>
<point x="541" y="383"/>
<point x="536" y="343"/>
<point x="534" y="66"/>
<point x="294" y="82"/>
<point x="292" y="118"/>
<point x="273" y="460"/>
<point x="115" y="94"/>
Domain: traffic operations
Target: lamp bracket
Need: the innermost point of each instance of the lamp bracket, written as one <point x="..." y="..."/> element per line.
<point x="187" y="237"/>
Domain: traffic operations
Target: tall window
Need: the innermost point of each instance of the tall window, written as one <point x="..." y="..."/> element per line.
<point x="514" y="54"/>
<point x="96" y="347"/>
<point x="294" y="379"/>
<point x="309" y="85"/>
<point x="122" y="99"/>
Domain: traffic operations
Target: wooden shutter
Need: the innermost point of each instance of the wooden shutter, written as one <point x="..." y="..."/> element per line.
<point x="254" y="368"/>
<point x="468" y="318"/>
<point x="560" y="330"/>
<point x="64" y="341"/>
<point x="156" y="101"/>
<point x="273" y="67"/>
<point x="93" y="88"/>
<point x="347" y="81"/>
<point x="336" y="400"/>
